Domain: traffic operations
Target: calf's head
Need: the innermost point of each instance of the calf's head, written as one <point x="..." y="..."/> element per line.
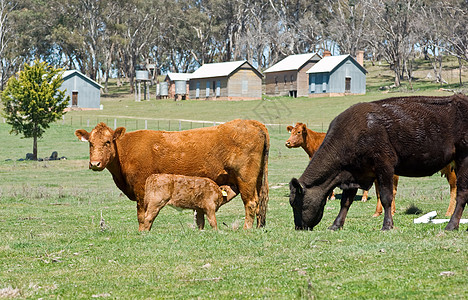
<point x="101" y="144"/>
<point x="298" y="135"/>
<point x="307" y="204"/>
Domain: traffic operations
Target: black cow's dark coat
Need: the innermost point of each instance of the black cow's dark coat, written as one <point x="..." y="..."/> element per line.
<point x="407" y="136"/>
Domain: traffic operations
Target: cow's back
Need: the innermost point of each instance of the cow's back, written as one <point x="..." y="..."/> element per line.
<point x="421" y="131"/>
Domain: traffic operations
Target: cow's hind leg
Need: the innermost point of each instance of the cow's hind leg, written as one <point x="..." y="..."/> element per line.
<point x="249" y="196"/>
<point x="452" y="180"/>
<point x="462" y="193"/>
<point x="347" y="199"/>
<point x="386" y="191"/>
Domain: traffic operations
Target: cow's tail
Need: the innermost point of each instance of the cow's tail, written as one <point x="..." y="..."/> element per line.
<point x="263" y="184"/>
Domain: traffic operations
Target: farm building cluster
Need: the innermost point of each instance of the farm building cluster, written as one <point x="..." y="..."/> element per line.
<point x="300" y="75"/>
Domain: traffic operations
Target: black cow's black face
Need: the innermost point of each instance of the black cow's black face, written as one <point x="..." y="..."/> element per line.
<point x="307" y="207"/>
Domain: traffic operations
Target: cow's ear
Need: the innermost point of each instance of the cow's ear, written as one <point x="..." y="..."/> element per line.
<point x="297" y="186"/>
<point x="289" y="128"/>
<point x="82" y="135"/>
<point x="119" y="132"/>
<point x="304" y="127"/>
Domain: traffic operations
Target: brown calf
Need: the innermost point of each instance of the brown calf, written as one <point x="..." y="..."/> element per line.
<point x="198" y="193"/>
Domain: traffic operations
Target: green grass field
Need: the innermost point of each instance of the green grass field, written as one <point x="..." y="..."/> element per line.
<point x="52" y="245"/>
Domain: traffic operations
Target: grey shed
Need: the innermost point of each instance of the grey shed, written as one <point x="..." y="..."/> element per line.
<point x="83" y="91"/>
<point x="337" y="75"/>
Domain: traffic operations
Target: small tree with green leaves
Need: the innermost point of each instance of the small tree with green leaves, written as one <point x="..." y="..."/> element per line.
<point x="33" y="99"/>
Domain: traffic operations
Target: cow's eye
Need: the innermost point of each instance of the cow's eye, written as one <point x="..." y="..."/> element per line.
<point x="107" y="143"/>
<point x="298" y="132"/>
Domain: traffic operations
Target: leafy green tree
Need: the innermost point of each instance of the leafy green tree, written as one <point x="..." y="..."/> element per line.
<point x="33" y="100"/>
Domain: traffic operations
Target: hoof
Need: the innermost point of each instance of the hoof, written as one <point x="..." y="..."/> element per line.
<point x="386" y="228"/>
<point x="363" y="199"/>
<point x="335" y="227"/>
<point x="451" y="227"/>
<point x="376" y="215"/>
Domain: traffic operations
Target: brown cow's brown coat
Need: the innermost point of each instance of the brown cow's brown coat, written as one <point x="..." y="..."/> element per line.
<point x="234" y="153"/>
<point x="200" y="194"/>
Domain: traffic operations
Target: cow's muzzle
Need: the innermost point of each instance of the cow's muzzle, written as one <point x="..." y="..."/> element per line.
<point x="95" y="165"/>
<point x="288" y="144"/>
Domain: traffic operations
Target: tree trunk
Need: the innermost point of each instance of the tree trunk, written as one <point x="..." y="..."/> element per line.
<point x="34" y="147"/>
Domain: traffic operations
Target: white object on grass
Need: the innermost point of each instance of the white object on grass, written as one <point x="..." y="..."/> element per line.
<point x="425" y="218"/>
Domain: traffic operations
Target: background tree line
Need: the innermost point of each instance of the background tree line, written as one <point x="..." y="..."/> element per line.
<point x="113" y="37"/>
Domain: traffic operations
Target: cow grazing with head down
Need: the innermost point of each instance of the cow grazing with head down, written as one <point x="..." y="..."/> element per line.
<point x="407" y="136"/>
<point x="234" y="153"/>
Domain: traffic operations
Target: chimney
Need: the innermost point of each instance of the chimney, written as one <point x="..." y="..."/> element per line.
<point x="326" y="53"/>
<point x="360" y="57"/>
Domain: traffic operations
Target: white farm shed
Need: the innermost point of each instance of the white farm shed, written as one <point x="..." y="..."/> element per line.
<point x="83" y="91"/>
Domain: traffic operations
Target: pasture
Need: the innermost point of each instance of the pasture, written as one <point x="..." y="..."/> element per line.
<point x="53" y="243"/>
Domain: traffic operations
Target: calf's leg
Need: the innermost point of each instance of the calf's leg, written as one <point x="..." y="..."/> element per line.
<point x="347" y="199"/>
<point x="200" y="218"/>
<point x="152" y="209"/>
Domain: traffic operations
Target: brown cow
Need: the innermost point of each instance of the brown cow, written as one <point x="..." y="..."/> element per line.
<point x="310" y="141"/>
<point x="407" y="136"/>
<point x="234" y="153"/>
<point x="198" y="193"/>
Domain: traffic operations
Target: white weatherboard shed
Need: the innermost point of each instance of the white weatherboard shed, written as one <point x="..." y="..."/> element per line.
<point x="83" y="91"/>
<point x="337" y="75"/>
<point x="237" y="80"/>
<point x="288" y="77"/>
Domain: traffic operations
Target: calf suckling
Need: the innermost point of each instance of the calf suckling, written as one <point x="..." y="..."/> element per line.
<point x="201" y="194"/>
<point x="407" y="136"/>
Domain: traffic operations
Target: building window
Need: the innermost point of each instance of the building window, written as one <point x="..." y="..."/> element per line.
<point x="197" y="91"/>
<point x="207" y="89"/>
<point x="218" y="88"/>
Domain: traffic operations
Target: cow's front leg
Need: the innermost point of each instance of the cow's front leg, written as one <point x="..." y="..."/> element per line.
<point x="347" y="199"/>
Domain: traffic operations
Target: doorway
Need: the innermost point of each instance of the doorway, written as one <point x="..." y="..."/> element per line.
<point x="75" y="98"/>
<point x="347" y="85"/>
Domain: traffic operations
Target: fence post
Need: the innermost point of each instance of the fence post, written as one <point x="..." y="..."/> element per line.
<point x="180" y="125"/>
<point x="87" y="123"/>
<point x="146" y="124"/>
<point x="115" y="124"/>
<point x="63" y="120"/>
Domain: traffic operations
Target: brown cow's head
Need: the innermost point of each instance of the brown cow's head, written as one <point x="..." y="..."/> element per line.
<point x="307" y="204"/>
<point x="101" y="144"/>
<point x="298" y="135"/>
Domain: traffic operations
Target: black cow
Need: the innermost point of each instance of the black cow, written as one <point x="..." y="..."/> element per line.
<point x="407" y="136"/>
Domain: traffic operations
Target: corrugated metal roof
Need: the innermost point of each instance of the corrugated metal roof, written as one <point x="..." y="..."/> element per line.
<point x="217" y="69"/>
<point x="179" y="76"/>
<point x="292" y="62"/>
<point x="69" y="73"/>
<point x="327" y="64"/>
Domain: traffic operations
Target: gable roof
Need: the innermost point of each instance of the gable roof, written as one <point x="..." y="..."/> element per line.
<point x="178" y="76"/>
<point x="292" y="62"/>
<point x="69" y="73"/>
<point x="330" y="63"/>
<point x="220" y="69"/>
